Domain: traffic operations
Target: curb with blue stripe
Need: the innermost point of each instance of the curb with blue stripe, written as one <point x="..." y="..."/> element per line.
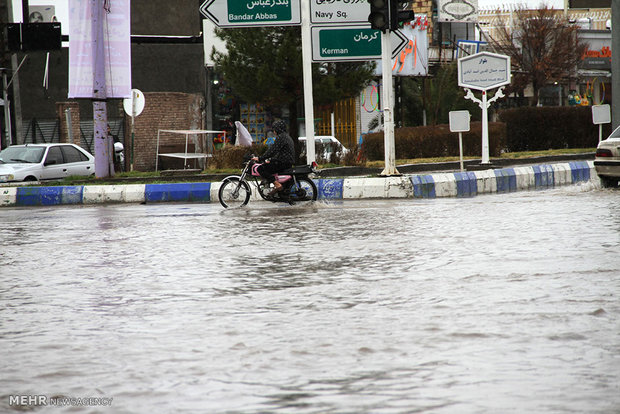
<point x="455" y="184"/>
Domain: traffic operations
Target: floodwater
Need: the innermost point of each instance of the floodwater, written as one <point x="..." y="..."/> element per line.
<point x="494" y="304"/>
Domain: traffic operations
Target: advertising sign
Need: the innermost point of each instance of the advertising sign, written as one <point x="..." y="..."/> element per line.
<point x="465" y="11"/>
<point x="117" y="44"/>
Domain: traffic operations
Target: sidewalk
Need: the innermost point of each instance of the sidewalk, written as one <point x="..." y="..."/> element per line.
<point x="430" y="185"/>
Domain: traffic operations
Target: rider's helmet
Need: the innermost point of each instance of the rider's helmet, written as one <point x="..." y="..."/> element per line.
<point x="279" y="126"/>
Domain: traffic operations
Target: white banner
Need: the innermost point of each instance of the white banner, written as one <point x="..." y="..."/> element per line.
<point x="117" y="39"/>
<point x="465" y="11"/>
<point x="412" y="60"/>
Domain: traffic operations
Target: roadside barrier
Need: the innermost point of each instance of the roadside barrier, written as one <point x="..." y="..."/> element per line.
<point x="453" y="184"/>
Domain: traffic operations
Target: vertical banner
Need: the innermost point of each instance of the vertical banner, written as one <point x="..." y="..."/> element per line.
<point x="117" y="45"/>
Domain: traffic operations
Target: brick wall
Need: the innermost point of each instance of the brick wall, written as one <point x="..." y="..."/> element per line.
<point x="163" y="110"/>
<point x="425" y="8"/>
<point x="61" y="107"/>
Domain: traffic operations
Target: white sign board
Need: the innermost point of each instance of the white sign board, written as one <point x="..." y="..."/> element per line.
<point x="601" y="114"/>
<point x="412" y="58"/>
<point x="339" y="12"/>
<point x="459" y="121"/>
<point x="465" y="11"/>
<point x="484" y="71"/>
<point x="135" y="105"/>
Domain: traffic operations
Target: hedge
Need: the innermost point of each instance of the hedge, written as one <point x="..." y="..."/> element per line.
<point x="435" y="141"/>
<point x="543" y="128"/>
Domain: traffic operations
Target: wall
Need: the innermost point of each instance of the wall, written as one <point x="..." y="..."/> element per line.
<point x="163" y="110"/>
<point x="157" y="66"/>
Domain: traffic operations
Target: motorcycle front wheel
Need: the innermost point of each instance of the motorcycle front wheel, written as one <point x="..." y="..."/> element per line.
<point x="304" y="190"/>
<point x="234" y="193"/>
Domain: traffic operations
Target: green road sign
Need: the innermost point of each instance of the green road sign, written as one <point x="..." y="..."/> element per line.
<point x="345" y="43"/>
<point x="252" y="13"/>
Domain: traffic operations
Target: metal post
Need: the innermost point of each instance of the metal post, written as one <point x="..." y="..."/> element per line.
<point x="461" y="150"/>
<point x="100" y="115"/>
<point x="485" y="128"/>
<point x="388" y="116"/>
<point x="134" y="96"/>
<point x="306" y="47"/>
<point x="7" y="110"/>
<point x="69" y="120"/>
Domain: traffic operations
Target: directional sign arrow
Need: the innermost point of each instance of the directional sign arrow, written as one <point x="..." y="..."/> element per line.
<point x="398" y="41"/>
<point x="252" y="13"/>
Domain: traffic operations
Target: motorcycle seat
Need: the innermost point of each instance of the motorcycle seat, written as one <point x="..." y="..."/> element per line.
<point x="298" y="169"/>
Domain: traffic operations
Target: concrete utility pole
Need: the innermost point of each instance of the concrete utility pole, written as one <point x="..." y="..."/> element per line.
<point x="100" y="114"/>
<point x="388" y="114"/>
<point x="615" y="62"/>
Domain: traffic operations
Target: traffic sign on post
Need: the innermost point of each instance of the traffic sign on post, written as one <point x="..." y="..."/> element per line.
<point x="352" y="43"/>
<point x="249" y="13"/>
<point x="330" y="43"/>
<point x="484" y="71"/>
<point x="339" y="12"/>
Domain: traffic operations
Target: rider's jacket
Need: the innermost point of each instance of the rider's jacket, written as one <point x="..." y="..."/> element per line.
<point x="282" y="150"/>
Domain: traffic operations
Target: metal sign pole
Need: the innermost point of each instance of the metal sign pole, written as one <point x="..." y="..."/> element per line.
<point x="306" y="46"/>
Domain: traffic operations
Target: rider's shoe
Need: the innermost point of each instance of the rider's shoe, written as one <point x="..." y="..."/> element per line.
<point x="277" y="188"/>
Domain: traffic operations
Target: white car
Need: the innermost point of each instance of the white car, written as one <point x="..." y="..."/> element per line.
<point x="36" y="162"/>
<point x="607" y="159"/>
<point x="330" y="145"/>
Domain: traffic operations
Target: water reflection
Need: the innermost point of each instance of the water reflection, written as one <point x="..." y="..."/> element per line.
<point x="503" y="303"/>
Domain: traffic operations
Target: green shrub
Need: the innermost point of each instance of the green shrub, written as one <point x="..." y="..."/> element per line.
<point x="435" y="141"/>
<point x="233" y="156"/>
<point x="543" y="128"/>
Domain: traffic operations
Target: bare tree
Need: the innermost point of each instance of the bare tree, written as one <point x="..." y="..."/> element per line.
<point x="543" y="47"/>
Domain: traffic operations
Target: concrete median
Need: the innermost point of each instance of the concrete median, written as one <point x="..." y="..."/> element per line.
<point x="444" y="184"/>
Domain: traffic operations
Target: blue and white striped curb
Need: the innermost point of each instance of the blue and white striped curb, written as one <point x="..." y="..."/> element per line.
<point x="453" y="184"/>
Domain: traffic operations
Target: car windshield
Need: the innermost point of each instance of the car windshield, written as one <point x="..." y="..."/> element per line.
<point x="14" y="155"/>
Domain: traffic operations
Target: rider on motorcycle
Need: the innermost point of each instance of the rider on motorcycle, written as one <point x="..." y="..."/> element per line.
<point x="279" y="156"/>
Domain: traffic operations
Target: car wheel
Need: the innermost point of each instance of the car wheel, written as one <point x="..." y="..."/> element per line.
<point x="31" y="178"/>
<point x="609" y="182"/>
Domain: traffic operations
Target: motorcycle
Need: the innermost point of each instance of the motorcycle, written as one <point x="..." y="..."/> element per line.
<point x="235" y="190"/>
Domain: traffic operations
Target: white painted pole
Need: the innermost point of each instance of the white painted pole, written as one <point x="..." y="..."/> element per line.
<point x="485" y="129"/>
<point x="306" y="51"/>
<point x="461" y="150"/>
<point x="333" y="125"/>
<point x="388" y="116"/>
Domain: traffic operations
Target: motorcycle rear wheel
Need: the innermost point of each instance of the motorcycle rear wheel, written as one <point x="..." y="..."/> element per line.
<point x="233" y="193"/>
<point x="304" y="191"/>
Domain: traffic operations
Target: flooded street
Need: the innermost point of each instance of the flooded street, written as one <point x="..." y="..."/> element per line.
<point x="506" y="303"/>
